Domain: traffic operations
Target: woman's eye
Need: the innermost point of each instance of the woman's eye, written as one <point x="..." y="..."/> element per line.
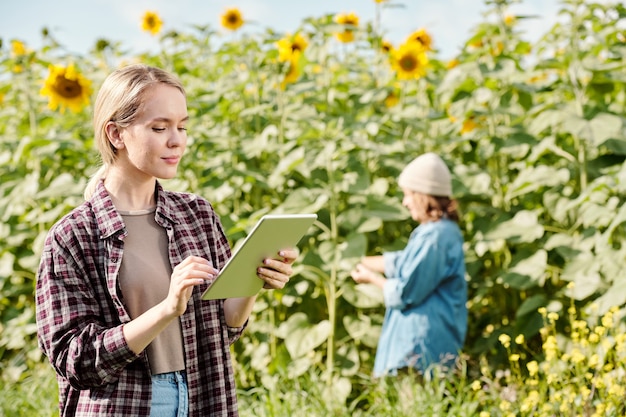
<point x="158" y="129"/>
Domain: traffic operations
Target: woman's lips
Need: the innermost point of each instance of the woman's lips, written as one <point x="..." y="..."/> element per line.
<point x="171" y="159"/>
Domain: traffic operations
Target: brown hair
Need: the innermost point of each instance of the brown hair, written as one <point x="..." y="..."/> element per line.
<point x="436" y="208"/>
<point x="120" y="100"/>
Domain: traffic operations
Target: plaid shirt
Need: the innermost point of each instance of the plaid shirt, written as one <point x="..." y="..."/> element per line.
<point x="80" y="311"/>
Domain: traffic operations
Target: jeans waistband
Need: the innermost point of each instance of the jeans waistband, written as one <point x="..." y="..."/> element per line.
<point x="171" y="376"/>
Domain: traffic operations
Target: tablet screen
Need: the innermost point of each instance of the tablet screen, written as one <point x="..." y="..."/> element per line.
<point x="272" y="233"/>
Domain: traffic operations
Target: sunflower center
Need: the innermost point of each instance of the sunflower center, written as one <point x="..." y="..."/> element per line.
<point x="233" y="18"/>
<point x="296" y="48"/>
<point x="408" y="63"/>
<point x="67" y="88"/>
<point x="150" y="21"/>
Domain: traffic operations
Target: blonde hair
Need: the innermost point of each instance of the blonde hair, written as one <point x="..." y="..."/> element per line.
<point x="120" y="100"/>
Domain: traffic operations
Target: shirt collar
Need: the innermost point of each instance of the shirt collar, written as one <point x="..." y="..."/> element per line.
<point x="110" y="221"/>
<point x="166" y="208"/>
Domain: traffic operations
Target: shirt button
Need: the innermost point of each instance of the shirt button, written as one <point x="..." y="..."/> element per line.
<point x="114" y="260"/>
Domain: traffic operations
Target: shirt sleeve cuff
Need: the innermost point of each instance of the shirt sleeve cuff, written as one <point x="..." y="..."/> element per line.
<point x="235" y="332"/>
<point x="115" y="343"/>
<point x="389" y="262"/>
<point x="392" y="293"/>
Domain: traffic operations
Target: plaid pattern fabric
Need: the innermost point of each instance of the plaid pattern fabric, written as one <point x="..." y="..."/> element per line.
<point x="80" y="311"/>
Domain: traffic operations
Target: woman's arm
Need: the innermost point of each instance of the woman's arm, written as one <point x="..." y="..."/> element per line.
<point x="375" y="263"/>
<point x="364" y="275"/>
<point x="142" y="330"/>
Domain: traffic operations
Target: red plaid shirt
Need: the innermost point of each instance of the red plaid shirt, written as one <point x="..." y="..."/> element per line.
<point x="80" y="311"/>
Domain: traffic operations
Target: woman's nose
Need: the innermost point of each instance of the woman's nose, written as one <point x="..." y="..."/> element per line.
<point x="177" y="138"/>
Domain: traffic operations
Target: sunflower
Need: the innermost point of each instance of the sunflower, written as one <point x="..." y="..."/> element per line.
<point x="232" y="19"/>
<point x="151" y="22"/>
<point x="292" y="75"/>
<point x="351" y="21"/>
<point x="392" y="99"/>
<point x="409" y="61"/>
<point x="19" y="52"/>
<point x="66" y="88"/>
<point x="291" y="47"/>
<point x="421" y="37"/>
<point x="452" y="63"/>
<point x="509" y="19"/>
<point x="386" y="46"/>
<point x="468" y="125"/>
<point x="18" y="48"/>
<point x="497" y="49"/>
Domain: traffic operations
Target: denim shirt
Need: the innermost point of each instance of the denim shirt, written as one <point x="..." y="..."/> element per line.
<point x="425" y="298"/>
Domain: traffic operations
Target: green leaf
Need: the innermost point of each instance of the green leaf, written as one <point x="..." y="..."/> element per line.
<point x="613" y="296"/>
<point x="533" y="178"/>
<point x="603" y="126"/>
<point x="616" y="146"/>
<point x="286" y="165"/>
<point x="518" y="281"/>
<point x="303" y="201"/>
<point x="531" y="305"/>
<point x="361" y="329"/>
<point x="546" y="119"/>
<point x="301" y="337"/>
<point x="533" y="267"/>
<point x="523" y="227"/>
<point x="583" y="273"/>
<point x="353" y="247"/>
<point x="362" y="295"/>
<point x="385" y="208"/>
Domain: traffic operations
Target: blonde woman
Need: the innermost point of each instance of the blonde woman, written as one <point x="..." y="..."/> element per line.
<point x="119" y="312"/>
<point x="423" y="285"/>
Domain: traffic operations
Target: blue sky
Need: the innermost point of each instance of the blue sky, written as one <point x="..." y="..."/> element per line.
<point x="77" y="24"/>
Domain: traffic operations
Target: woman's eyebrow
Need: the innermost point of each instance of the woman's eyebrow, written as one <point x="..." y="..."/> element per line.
<point x="167" y="119"/>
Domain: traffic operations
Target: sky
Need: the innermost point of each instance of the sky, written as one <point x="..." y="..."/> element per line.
<point x="77" y="24"/>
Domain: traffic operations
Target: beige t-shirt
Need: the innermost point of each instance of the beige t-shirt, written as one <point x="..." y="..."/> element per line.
<point x="145" y="280"/>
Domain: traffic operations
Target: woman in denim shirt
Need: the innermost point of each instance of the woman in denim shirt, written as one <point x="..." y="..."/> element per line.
<point x="424" y="285"/>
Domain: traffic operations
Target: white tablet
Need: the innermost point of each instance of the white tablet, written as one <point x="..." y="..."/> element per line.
<point x="272" y="233"/>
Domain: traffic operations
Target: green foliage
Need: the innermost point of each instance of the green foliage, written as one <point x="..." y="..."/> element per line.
<point x="33" y="393"/>
<point x="534" y="135"/>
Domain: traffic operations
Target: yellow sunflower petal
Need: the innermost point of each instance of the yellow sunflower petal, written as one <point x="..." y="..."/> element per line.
<point x="292" y="75"/>
<point x="290" y="47"/>
<point x="423" y="38"/>
<point x="386" y="47"/>
<point x="18" y="48"/>
<point x="351" y="20"/>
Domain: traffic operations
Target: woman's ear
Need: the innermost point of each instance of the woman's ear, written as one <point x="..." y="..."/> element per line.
<point x="114" y="134"/>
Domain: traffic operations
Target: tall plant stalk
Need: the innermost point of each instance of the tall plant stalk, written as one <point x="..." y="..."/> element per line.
<point x="331" y="291"/>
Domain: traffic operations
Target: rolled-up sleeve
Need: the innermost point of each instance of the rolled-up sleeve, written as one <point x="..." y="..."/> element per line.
<point x="413" y="273"/>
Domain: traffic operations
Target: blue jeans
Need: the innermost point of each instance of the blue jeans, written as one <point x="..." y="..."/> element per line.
<point x="169" y="395"/>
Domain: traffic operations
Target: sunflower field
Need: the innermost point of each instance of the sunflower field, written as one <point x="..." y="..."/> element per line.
<point x="322" y="120"/>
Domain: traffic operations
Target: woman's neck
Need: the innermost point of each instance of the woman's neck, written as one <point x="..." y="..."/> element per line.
<point x="130" y="194"/>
